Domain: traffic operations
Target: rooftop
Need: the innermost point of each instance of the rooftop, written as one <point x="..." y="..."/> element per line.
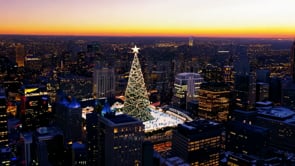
<point x="120" y="118"/>
<point x="193" y="128"/>
<point x="188" y="75"/>
<point x="47" y="133"/>
<point x="281" y="113"/>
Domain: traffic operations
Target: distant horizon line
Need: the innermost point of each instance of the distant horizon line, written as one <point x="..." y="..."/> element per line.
<point x="150" y="36"/>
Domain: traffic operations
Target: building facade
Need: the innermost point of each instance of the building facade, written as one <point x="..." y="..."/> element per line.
<point x="3" y="121"/>
<point x="198" y="142"/>
<point x="214" y="101"/>
<point x="120" y="140"/>
<point x="186" y="86"/>
<point x="103" y="82"/>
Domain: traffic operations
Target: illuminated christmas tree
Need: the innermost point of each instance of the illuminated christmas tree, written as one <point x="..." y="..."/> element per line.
<point x="136" y="97"/>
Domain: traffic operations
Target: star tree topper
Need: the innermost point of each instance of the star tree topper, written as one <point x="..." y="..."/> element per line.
<point x="135" y="50"/>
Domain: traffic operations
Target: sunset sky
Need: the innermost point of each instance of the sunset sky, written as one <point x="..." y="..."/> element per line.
<point x="231" y="18"/>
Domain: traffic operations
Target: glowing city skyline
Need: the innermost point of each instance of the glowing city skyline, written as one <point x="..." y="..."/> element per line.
<point x="210" y="18"/>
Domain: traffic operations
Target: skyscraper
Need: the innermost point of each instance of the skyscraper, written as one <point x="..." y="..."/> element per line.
<point x="293" y="61"/>
<point x="245" y="81"/>
<point x="198" y="142"/>
<point x="186" y="87"/>
<point x="214" y="101"/>
<point x="120" y="140"/>
<point x="103" y="82"/>
<point x="3" y="121"/>
<point x="68" y="118"/>
<point x="20" y="55"/>
<point x="137" y="101"/>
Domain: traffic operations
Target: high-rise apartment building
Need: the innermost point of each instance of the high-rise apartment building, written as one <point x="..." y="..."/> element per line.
<point x="120" y="140"/>
<point x="198" y="142"/>
<point x="103" y="82"/>
<point x="186" y="87"/>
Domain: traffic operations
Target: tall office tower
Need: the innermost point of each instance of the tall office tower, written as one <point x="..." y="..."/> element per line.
<point x="20" y="55"/>
<point x="275" y="90"/>
<point x="246" y="139"/>
<point x="49" y="145"/>
<point x="69" y="118"/>
<point x="3" y="121"/>
<point x="34" y="106"/>
<point x="245" y="82"/>
<point x="137" y="101"/>
<point x="92" y="137"/>
<point x="293" y="61"/>
<point x="262" y="91"/>
<point x="198" y="142"/>
<point x="27" y="140"/>
<point x="280" y="123"/>
<point x="186" y="87"/>
<point x="103" y="82"/>
<point x="214" y="101"/>
<point x="120" y="140"/>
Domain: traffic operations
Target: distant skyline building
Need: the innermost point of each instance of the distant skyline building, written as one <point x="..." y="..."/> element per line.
<point x="292" y="59"/>
<point x="186" y="86"/>
<point x="191" y="41"/>
<point x="103" y="82"/>
<point x="20" y="55"/>
<point x="136" y="97"/>
<point x="228" y="74"/>
<point x="120" y="140"/>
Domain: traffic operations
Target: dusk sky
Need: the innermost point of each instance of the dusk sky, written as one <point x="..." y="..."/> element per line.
<point x="232" y="18"/>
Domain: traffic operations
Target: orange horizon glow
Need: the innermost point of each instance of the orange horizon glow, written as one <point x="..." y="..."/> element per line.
<point x="243" y="33"/>
<point x="211" y="18"/>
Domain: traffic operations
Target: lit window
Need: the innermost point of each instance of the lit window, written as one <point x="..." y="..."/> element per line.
<point x="115" y="130"/>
